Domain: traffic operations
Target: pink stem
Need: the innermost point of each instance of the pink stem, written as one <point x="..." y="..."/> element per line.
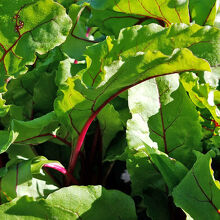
<point x="80" y="140"/>
<point x="62" y="170"/>
<point x="88" y="32"/>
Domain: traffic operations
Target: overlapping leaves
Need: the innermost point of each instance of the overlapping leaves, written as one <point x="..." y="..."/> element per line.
<point x="28" y="27"/>
<point x="57" y="99"/>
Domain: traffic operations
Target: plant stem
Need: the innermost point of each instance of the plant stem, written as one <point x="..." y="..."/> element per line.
<point x="61" y="170"/>
<point x="75" y="153"/>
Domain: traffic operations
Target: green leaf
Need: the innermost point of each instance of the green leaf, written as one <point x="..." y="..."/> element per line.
<point x="25" y="208"/>
<point x="116" y="150"/>
<point x="203" y="12"/>
<point x="165" y="115"/>
<point x="143" y="172"/>
<point x="6" y="139"/>
<point x="76" y="103"/>
<point x="3" y="108"/>
<point x="74" y="202"/>
<point x="157" y="200"/>
<point x="26" y="178"/>
<point x="77" y="41"/>
<point x="202" y="95"/>
<point x="29" y="27"/>
<point x="44" y="93"/>
<point x="202" y="41"/>
<point x="167" y="11"/>
<point x="35" y="131"/>
<point x="110" y="125"/>
<point x="111" y="22"/>
<point x="23" y="152"/>
<point x="199" y="193"/>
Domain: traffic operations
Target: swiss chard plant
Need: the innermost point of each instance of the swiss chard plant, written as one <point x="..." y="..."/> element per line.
<point x="109" y="109"/>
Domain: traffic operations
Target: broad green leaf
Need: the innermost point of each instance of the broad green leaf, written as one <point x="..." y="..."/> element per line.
<point x="23" y="152"/>
<point x="148" y="168"/>
<point x="35" y="131"/>
<point x="29" y="27"/>
<point x="199" y="193"/>
<point x="32" y="95"/>
<point x="26" y="178"/>
<point x="143" y="172"/>
<point x="25" y="208"/>
<point x="154" y="162"/>
<point x="140" y="127"/>
<point x="203" y="12"/>
<point x="74" y="202"/>
<point x="77" y="101"/>
<point x="169" y="116"/>
<point x="111" y="22"/>
<point x="167" y="11"/>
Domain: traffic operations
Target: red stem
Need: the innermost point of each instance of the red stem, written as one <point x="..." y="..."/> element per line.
<point x="80" y="140"/>
<point x="61" y="170"/>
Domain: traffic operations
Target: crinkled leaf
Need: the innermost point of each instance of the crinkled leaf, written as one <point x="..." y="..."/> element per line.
<point x="202" y="95"/>
<point x="3" y="108"/>
<point x="74" y="202"/>
<point x="154" y="162"/>
<point x="202" y="41"/>
<point x="29" y="27"/>
<point x="199" y="193"/>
